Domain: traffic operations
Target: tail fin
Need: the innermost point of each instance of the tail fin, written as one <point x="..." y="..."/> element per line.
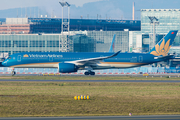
<point x="164" y="45"/>
<point x="112" y="44"/>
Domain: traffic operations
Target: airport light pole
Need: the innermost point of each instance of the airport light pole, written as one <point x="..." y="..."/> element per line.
<point x="153" y="21"/>
<point x="64" y="27"/>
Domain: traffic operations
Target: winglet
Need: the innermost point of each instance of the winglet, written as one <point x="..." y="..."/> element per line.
<point x="163" y="46"/>
<point x="112" y="44"/>
<point x="115" y="54"/>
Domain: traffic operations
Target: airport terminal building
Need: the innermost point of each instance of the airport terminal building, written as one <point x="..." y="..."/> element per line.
<point x="44" y="34"/>
<point x="163" y="20"/>
<point x="158" y="22"/>
<point x="53" y="25"/>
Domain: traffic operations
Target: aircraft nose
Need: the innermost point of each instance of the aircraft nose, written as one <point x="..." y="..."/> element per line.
<point x="4" y="63"/>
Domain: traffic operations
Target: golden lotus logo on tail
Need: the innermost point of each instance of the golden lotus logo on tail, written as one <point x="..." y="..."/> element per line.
<point x="163" y="49"/>
<point x="25" y="55"/>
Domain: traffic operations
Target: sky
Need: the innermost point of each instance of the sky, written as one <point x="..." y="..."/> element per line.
<point x="93" y="9"/>
<point x="7" y="4"/>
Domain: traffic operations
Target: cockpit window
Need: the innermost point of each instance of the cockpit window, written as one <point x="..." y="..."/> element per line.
<point x="9" y="57"/>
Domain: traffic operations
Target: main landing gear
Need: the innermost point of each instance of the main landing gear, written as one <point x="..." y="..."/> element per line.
<point x="89" y="73"/>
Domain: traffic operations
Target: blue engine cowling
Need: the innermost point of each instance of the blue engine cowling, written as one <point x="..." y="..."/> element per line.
<point x="67" y="67"/>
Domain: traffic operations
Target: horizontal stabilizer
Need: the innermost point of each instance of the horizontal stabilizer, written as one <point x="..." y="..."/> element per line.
<point x="165" y="57"/>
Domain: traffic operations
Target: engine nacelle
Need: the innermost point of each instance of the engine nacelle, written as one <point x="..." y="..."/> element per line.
<point x="67" y="67"/>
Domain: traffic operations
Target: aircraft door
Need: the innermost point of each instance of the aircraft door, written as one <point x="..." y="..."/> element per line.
<point x="19" y="58"/>
<point x="140" y="58"/>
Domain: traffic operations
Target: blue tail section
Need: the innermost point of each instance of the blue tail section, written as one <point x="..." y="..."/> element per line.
<point x="163" y="46"/>
<point x="112" y="44"/>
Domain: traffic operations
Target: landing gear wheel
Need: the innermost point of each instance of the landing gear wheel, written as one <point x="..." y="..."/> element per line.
<point x="89" y="73"/>
<point x="92" y="73"/>
<point x="13" y="73"/>
<point x="86" y="73"/>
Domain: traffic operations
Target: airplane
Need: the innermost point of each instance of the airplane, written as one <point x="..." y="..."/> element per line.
<point x="72" y="62"/>
<point x="112" y="44"/>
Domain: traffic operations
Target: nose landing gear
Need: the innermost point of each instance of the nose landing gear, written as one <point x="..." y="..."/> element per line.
<point x="89" y="73"/>
<point x="13" y="72"/>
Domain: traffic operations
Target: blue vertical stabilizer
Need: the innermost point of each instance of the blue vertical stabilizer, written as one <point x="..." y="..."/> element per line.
<point x="163" y="46"/>
<point x="112" y="44"/>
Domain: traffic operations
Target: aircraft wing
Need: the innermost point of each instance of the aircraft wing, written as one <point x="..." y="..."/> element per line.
<point x="91" y="61"/>
<point x="176" y="58"/>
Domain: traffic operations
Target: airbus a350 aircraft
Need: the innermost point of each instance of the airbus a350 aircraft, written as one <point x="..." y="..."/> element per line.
<point x="72" y="62"/>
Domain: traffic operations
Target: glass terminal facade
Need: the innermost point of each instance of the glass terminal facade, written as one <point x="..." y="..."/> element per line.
<point x="87" y="41"/>
<point x="86" y="35"/>
<point x="166" y="20"/>
<point x="83" y="43"/>
<point x="104" y="38"/>
<point x="29" y="43"/>
<point x="53" y="25"/>
<point x="169" y="19"/>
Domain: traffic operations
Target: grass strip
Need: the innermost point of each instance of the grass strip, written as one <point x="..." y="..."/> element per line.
<point x="90" y="77"/>
<point x="56" y="99"/>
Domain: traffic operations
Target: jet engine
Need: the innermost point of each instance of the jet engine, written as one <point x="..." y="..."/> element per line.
<point x="67" y="67"/>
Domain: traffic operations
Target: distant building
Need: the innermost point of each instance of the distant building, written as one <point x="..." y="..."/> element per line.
<point x="15" y="26"/>
<point x="53" y="25"/>
<point x="168" y="19"/>
<point x="78" y="41"/>
<point x="44" y="34"/>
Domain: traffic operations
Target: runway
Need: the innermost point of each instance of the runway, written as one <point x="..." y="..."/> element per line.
<point x="150" y="117"/>
<point x="136" y="81"/>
